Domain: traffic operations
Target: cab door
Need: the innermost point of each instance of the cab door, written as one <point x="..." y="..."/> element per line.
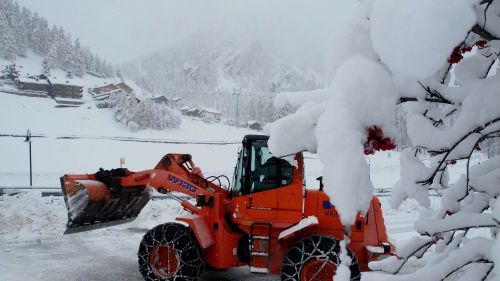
<point x="291" y="196"/>
<point x="259" y="180"/>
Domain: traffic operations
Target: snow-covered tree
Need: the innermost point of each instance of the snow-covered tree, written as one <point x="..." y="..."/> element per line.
<point x="21" y="30"/>
<point x="7" y="33"/>
<point x="10" y="72"/>
<point x="41" y="40"/>
<point x="204" y="69"/>
<point x="45" y="67"/>
<point x="139" y="115"/>
<point x="438" y="59"/>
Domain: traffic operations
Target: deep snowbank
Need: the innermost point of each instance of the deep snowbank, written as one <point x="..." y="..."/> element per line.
<point x="28" y="217"/>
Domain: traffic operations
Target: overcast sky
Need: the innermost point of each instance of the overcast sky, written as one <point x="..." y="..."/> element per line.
<point x="121" y="30"/>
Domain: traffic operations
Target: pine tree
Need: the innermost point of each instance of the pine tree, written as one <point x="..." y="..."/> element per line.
<point x="41" y="36"/>
<point x="52" y="58"/>
<point x="78" y="59"/>
<point x="26" y="18"/>
<point x="10" y="72"/>
<point x="119" y="74"/>
<point x="7" y="36"/>
<point x="19" y="30"/>
<point x="46" y="67"/>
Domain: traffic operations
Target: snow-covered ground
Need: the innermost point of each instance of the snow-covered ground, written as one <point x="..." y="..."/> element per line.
<point x="32" y="246"/>
<point x="86" y="138"/>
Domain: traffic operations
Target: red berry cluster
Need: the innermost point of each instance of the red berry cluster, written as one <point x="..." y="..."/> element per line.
<point x="466" y="49"/>
<point x="377" y="141"/>
<point x="481" y="44"/>
<point x="456" y="56"/>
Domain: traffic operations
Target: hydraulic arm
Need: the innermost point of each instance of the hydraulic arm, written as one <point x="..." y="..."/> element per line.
<point x="111" y="197"/>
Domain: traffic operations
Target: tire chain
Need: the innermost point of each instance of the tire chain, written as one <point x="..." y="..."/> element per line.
<point x="188" y="251"/>
<point x="321" y="247"/>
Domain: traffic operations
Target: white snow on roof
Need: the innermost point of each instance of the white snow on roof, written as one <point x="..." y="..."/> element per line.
<point x="32" y="80"/>
<point x="211" y="110"/>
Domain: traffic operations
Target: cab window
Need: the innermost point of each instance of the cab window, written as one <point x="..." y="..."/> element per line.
<point x="266" y="171"/>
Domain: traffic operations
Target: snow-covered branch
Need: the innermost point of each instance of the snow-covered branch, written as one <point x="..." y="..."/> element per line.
<point x="459" y="221"/>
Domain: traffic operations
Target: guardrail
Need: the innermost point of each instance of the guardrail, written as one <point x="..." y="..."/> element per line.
<point x="56" y="191"/>
<point x="45" y="190"/>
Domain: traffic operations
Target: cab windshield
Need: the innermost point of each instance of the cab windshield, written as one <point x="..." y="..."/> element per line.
<point x="258" y="170"/>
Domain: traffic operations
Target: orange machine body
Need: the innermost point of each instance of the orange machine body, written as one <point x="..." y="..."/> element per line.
<point x="277" y="210"/>
<point x="227" y="223"/>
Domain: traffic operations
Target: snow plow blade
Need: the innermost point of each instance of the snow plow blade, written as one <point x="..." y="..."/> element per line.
<point x="93" y="204"/>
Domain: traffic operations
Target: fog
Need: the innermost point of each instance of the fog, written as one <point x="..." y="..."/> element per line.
<point x="121" y="30"/>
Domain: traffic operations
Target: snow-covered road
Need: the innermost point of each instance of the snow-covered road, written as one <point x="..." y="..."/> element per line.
<point x="87" y="257"/>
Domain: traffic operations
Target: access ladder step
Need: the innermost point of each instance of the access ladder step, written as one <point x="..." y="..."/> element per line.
<point x="260" y="254"/>
<point x="260" y="237"/>
<point x="262" y="270"/>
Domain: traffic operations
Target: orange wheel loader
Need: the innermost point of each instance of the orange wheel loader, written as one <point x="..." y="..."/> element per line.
<point x="267" y="220"/>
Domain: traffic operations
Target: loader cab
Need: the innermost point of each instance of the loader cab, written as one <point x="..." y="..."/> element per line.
<point x="266" y="188"/>
<point x="257" y="169"/>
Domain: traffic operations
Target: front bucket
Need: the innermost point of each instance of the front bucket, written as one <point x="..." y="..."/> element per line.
<point x="91" y="205"/>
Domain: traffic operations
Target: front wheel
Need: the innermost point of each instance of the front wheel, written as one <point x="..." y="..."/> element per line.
<point x="170" y="252"/>
<point x="316" y="259"/>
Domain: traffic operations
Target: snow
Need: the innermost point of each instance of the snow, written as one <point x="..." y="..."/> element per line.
<point x="375" y="250"/>
<point x="211" y="110"/>
<point x="495" y="251"/>
<point x="25" y="217"/>
<point x="295" y="132"/>
<point x="296" y="99"/>
<point x="472" y="250"/>
<point x="486" y="177"/>
<point x="32" y="228"/>
<point x="479" y="106"/>
<point x="33" y="225"/>
<point x="34" y="81"/>
<point x="77" y="140"/>
<point x="337" y="130"/>
<point x="472" y="68"/>
<point x="24" y="233"/>
<point x="359" y="86"/>
<point x="436" y="27"/>
<point x="455" y="222"/>
<point x="343" y="272"/>
<point x="32" y="65"/>
<point x="413" y="170"/>
<point x="303" y="223"/>
<point x="492" y="24"/>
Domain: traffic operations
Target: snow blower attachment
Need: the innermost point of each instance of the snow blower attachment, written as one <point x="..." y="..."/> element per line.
<point x="267" y="220"/>
<point x="97" y="200"/>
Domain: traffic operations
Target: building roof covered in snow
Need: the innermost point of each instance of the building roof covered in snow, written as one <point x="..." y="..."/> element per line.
<point x="32" y="80"/>
<point x="105" y="89"/>
<point x="211" y="110"/>
<point x="125" y="87"/>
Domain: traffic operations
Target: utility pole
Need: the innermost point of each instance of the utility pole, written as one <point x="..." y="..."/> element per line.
<point x="237" y="93"/>
<point x="28" y="140"/>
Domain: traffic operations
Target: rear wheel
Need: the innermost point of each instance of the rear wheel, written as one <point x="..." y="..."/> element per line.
<point x="170" y="252"/>
<point x="316" y="259"/>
